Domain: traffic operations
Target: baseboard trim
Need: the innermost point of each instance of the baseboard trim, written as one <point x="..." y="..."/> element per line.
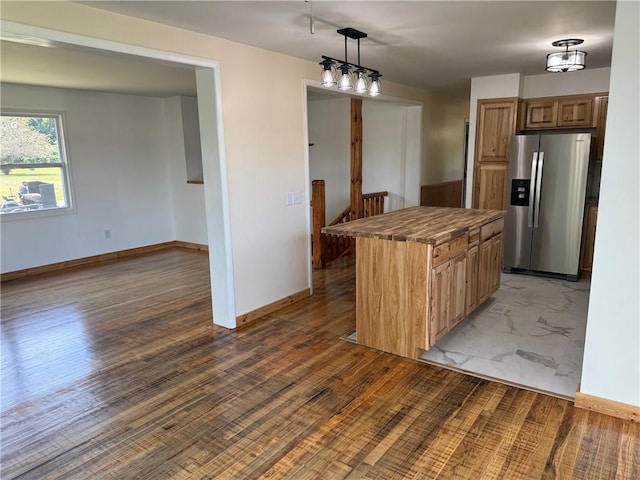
<point x="607" y="407"/>
<point x="586" y="274"/>
<point x="192" y="246"/>
<point x="253" y="315"/>
<point x="86" y="261"/>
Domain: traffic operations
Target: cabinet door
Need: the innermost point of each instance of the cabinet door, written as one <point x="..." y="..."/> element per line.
<point x="589" y="238"/>
<point x="496" y="263"/>
<point x="484" y="271"/>
<point x="458" y="288"/>
<point x="575" y="113"/>
<point x="496" y="125"/>
<point x="472" y="279"/>
<point x="440" y="301"/>
<point x="601" y="123"/>
<point x="541" y="114"/>
<point x="491" y="186"/>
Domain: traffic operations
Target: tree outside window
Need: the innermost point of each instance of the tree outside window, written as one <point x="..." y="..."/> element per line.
<point x="32" y="164"/>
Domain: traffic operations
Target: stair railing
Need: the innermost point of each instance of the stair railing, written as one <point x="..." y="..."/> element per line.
<point x="326" y="248"/>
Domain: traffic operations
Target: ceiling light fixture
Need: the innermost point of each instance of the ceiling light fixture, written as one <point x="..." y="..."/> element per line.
<point x="348" y="75"/>
<point x="567" y="61"/>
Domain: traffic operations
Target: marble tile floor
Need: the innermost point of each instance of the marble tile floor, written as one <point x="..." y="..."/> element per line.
<point x="530" y="334"/>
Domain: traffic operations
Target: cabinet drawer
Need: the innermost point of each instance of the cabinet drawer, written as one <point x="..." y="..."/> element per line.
<point x="444" y="252"/>
<point x="490" y="229"/>
<point x="474" y="236"/>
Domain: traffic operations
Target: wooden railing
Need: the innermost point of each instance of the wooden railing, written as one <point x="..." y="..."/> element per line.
<point x="326" y="248"/>
<point x="334" y="246"/>
<point x="373" y="203"/>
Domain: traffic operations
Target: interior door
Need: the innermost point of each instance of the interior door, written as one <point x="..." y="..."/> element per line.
<point x="564" y="160"/>
<point x="518" y="220"/>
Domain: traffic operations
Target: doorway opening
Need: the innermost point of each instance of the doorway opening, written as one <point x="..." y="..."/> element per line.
<point x="213" y="158"/>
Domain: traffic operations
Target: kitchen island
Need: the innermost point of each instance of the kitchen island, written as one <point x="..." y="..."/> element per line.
<point x="420" y="271"/>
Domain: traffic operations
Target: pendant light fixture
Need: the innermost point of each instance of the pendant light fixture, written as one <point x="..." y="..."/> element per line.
<point x="328" y="77"/>
<point x="350" y="76"/>
<point x="567" y="61"/>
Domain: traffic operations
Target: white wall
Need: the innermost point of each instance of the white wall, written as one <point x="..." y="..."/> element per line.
<point x="191" y="135"/>
<point x="120" y="178"/>
<point x="413" y="149"/>
<point x="189" y="219"/>
<point x="216" y="197"/>
<point x="611" y="365"/>
<point x="384" y="159"/>
<point x="445" y="159"/>
<point x="329" y="157"/>
<point x="594" y="80"/>
<point x="390" y="148"/>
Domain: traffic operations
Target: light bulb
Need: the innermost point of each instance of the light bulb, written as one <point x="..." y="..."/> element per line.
<point x="374" y="87"/>
<point x="327" y="77"/>
<point x="344" y="82"/>
<point x="361" y="82"/>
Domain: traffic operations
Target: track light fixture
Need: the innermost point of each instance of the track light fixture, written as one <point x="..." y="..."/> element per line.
<point x="350" y="76"/>
<point x="567" y="61"/>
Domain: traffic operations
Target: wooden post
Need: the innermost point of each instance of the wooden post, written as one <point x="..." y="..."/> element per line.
<point x="319" y="220"/>
<point x="356" y="159"/>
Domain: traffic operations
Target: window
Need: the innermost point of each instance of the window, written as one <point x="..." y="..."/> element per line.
<point x="33" y="165"/>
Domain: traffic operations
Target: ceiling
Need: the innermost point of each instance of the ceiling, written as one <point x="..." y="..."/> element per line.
<point x="439" y="45"/>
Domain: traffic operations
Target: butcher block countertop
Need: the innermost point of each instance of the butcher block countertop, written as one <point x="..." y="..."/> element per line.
<point x="434" y="225"/>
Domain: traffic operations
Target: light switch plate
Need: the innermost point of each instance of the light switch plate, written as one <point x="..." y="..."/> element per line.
<point x="293" y="198"/>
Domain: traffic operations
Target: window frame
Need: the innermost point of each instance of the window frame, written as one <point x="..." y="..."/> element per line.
<point x="64" y="164"/>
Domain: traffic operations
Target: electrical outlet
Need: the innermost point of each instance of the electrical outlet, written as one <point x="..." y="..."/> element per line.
<point x="107" y="233"/>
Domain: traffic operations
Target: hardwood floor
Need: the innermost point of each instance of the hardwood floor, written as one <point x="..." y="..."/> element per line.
<point x="116" y="371"/>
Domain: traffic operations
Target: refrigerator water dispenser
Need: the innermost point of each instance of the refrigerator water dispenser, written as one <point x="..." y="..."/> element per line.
<point x="520" y="192"/>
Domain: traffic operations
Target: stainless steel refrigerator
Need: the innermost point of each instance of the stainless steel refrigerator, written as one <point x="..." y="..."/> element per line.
<point x="547" y="181"/>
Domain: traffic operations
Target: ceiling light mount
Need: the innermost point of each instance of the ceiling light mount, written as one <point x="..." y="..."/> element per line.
<point x="567" y="61"/>
<point x="347" y="75"/>
<point x="568" y="42"/>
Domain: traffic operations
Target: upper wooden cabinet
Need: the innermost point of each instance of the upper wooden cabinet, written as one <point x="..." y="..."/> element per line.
<point x="575" y="112"/>
<point x="559" y="112"/>
<point x="496" y="125"/>
<point x="542" y="114"/>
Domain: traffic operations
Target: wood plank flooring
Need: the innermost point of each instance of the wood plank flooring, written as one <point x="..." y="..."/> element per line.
<point x="116" y="371"/>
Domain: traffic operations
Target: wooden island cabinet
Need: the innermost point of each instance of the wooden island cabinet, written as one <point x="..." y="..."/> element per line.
<point x="420" y="271"/>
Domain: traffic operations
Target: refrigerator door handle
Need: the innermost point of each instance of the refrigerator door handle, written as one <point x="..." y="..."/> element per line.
<point x="538" y="187"/>
<point x="532" y="185"/>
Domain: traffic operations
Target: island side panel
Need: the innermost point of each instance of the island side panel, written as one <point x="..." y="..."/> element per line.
<point x="391" y="295"/>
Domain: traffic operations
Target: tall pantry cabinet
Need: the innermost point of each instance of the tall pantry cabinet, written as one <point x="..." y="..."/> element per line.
<point x="497" y="122"/>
